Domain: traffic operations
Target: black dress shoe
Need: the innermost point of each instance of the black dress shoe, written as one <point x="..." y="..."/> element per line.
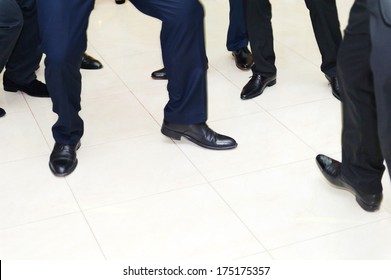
<point x="199" y="134"/>
<point x="90" y="63"/>
<point x="160" y="74"/>
<point x="2" y="112"/>
<point x="331" y="170"/>
<point x="63" y="159"/>
<point x="119" y="1"/>
<point x="243" y="58"/>
<point x="35" y="88"/>
<point x="335" y="89"/>
<point x="256" y="86"/>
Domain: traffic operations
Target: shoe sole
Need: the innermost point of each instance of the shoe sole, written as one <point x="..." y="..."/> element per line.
<point x="268" y="84"/>
<point x="156" y="78"/>
<point x="177" y="136"/>
<point x="363" y="205"/>
<point x="10" y="89"/>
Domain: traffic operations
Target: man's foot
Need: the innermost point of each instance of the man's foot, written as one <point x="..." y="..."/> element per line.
<point x="160" y="74"/>
<point x="257" y="85"/>
<point x="335" y="88"/>
<point x="63" y="160"/>
<point x="90" y="63"/>
<point x="34" y="88"/>
<point x="2" y="112"/>
<point x="243" y="58"/>
<point x="199" y="134"/>
<point x="331" y="170"/>
<point x="119" y="1"/>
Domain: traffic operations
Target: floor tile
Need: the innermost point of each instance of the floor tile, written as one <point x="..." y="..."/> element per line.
<point x="188" y="224"/>
<point x="368" y="242"/>
<point x="319" y="124"/>
<point x="292" y="203"/>
<point x="130" y="169"/>
<point x="61" y="238"/>
<point x="21" y="137"/>
<point x="262" y="143"/>
<point x="30" y="192"/>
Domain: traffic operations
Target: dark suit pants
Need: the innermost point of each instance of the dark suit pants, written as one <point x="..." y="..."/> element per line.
<point x="184" y="57"/>
<point x="63" y="25"/>
<point x="19" y="40"/>
<point x="364" y="64"/>
<point x="237" y="37"/>
<point x="325" y="24"/>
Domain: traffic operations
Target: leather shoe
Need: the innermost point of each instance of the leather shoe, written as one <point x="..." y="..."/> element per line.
<point x="90" y="63"/>
<point x="2" y="112"/>
<point x="199" y="134"/>
<point x="63" y="159"/>
<point x="243" y="58"/>
<point x="331" y="170"/>
<point x="119" y="1"/>
<point x="34" y="88"/>
<point x="160" y="74"/>
<point x="335" y="88"/>
<point x="257" y="85"/>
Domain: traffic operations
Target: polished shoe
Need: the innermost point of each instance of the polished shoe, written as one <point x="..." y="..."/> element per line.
<point x="256" y="86"/>
<point x="160" y="74"/>
<point x="243" y="58"/>
<point x="199" y="134"/>
<point x="331" y="170"/>
<point x="35" y="88"/>
<point x="335" y="88"/>
<point x="2" y="112"/>
<point x="63" y="160"/>
<point x="90" y="63"/>
<point x="119" y="1"/>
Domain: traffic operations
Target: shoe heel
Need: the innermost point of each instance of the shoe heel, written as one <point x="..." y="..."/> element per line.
<point x="11" y="89"/>
<point x="171" y="134"/>
<point x="272" y="83"/>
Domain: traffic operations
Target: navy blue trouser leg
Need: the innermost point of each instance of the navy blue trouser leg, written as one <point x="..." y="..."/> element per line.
<point x="63" y="25"/>
<point x="237" y="37"/>
<point x="184" y="57"/>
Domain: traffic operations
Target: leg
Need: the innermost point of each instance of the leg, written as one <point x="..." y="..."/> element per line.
<point x="237" y="31"/>
<point x="380" y="60"/>
<point x="11" y="24"/>
<point x="324" y="18"/>
<point x="26" y="54"/>
<point x="237" y="38"/>
<point x="183" y="49"/>
<point x="362" y="160"/>
<point x="63" y="26"/>
<point x="259" y="14"/>
<point x="63" y="30"/>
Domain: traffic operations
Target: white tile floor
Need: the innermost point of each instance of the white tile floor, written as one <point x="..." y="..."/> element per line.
<point x="139" y="195"/>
